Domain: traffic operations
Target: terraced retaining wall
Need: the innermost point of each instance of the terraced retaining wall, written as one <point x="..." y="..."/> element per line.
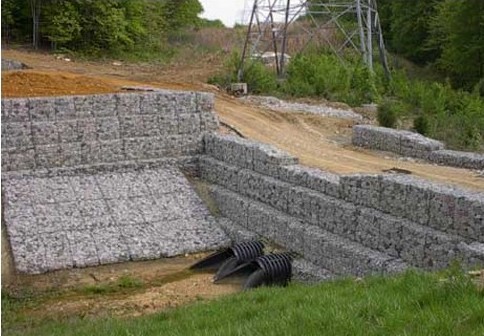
<point x="90" y="180"/>
<point x="414" y="145"/>
<point x="70" y="131"/>
<point x="355" y="224"/>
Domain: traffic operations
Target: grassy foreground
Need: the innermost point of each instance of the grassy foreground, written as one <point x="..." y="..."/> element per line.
<point x="409" y="304"/>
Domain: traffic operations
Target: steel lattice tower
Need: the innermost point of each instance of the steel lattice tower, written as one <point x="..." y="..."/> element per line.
<point x="278" y="25"/>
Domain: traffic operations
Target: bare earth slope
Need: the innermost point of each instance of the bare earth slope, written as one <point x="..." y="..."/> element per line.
<point x="318" y="141"/>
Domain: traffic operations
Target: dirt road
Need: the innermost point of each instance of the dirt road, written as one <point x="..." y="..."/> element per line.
<point x="318" y="141"/>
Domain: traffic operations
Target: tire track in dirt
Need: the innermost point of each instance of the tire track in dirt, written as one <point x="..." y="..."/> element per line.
<point x="309" y="137"/>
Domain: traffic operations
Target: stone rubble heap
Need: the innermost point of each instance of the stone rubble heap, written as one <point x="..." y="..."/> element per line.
<point x="8" y="64"/>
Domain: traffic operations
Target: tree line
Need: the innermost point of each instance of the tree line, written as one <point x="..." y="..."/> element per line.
<point x="447" y="34"/>
<point x="93" y="25"/>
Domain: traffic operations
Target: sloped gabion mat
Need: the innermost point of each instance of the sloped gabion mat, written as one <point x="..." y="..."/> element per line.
<point x="86" y="220"/>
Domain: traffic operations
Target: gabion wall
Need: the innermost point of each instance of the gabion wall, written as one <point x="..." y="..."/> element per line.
<point x="355" y="224"/>
<point x="413" y="145"/>
<point x="85" y="130"/>
<point x="91" y="180"/>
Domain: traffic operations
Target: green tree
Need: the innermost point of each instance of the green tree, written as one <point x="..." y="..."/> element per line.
<point x="182" y="13"/>
<point x="8" y="17"/>
<point x="63" y="25"/>
<point x="406" y="25"/>
<point x="458" y="29"/>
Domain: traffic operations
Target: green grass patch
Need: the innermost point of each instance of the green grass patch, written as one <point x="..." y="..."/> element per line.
<point x="409" y="304"/>
<point x="123" y="284"/>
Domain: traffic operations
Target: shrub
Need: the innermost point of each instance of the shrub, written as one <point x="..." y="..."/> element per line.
<point x="260" y="79"/>
<point x="443" y="113"/>
<point x="388" y="113"/>
<point x="421" y="124"/>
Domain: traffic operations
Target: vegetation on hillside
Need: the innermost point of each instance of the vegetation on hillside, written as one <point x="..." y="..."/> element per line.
<point x="100" y="27"/>
<point x="445" y="34"/>
<point x="408" y="304"/>
<point x="432" y="108"/>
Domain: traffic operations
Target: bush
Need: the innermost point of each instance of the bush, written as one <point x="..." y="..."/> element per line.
<point x="259" y="78"/>
<point x="421" y="124"/>
<point x="388" y="113"/>
<point x="443" y="113"/>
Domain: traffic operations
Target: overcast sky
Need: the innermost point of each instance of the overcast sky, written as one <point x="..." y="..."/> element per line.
<point x="229" y="11"/>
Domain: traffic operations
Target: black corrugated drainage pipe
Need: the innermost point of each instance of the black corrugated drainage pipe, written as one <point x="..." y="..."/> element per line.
<point x="268" y="270"/>
<point x="228" y="259"/>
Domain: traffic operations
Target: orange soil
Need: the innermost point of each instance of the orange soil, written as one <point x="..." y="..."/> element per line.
<point x="27" y="83"/>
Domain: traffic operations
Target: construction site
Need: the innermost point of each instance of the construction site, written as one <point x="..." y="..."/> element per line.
<point x="135" y="171"/>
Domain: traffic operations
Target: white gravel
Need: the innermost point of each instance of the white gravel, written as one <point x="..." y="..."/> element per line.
<point x="277" y="104"/>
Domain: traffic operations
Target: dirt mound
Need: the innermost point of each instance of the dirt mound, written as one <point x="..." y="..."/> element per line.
<point x="35" y="83"/>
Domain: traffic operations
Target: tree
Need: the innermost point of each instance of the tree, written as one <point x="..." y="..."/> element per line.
<point x="35" y="9"/>
<point x="63" y="25"/>
<point x="406" y="26"/>
<point x="458" y="29"/>
<point x="8" y="17"/>
<point x="95" y="25"/>
<point x="182" y="13"/>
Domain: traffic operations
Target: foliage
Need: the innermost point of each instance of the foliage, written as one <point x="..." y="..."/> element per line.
<point x="97" y="27"/>
<point x="406" y="27"/>
<point x="182" y="13"/>
<point x="323" y="75"/>
<point x="422" y="124"/>
<point x="412" y="303"/>
<point x="64" y="25"/>
<point x="123" y="284"/>
<point x="206" y="23"/>
<point x="445" y="33"/>
<point x="453" y="116"/>
<point x="259" y="78"/>
<point x="458" y="29"/>
<point x="389" y="112"/>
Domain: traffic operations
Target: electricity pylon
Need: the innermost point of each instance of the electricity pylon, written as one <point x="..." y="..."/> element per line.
<point x="278" y="25"/>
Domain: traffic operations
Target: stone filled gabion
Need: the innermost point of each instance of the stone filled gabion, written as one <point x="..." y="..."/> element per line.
<point x="411" y="144"/>
<point x="79" y="220"/>
<point x="58" y="132"/>
<point x="350" y="224"/>
<point x="90" y="180"/>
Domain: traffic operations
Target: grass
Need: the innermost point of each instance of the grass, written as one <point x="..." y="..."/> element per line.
<point x="123" y="284"/>
<point x="409" y="304"/>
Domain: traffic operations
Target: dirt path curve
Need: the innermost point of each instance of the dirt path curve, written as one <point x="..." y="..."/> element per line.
<point x="320" y="142"/>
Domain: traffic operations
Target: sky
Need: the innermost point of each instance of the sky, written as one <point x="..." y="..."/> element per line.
<point x="237" y="11"/>
<point x="228" y="11"/>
